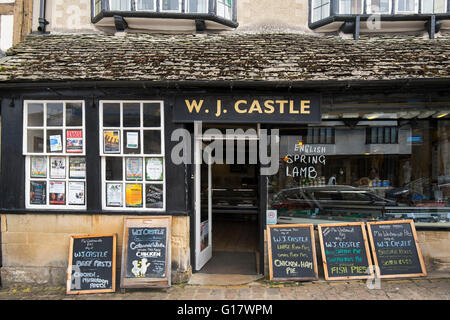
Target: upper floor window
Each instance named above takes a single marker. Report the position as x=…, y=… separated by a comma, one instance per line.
x=170, y=5
x=434, y=6
x=379, y=6
x=145, y=5
x=225, y=8
x=350, y=6
x=406, y=6
x=320, y=9
x=197, y=6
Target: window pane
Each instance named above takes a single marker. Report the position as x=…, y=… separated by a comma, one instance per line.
x=113, y=168
x=387, y=135
x=111, y=115
x=54, y=141
x=74, y=114
x=379, y=6
x=35, y=140
x=380, y=135
x=152, y=142
x=146, y=5
x=350, y=6
x=55, y=114
x=322, y=136
x=406, y=5
x=373, y=135
x=35, y=115
x=198, y=6
x=131, y=142
x=152, y=115
x=133, y=195
x=131, y=115
x=329, y=135
x=393, y=135
x=170, y=5
x=120, y=5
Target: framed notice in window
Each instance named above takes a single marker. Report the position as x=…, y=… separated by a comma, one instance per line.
x=38, y=167
x=38, y=192
x=76, y=193
x=111, y=141
x=57, y=192
x=114, y=195
x=133, y=169
x=57, y=167
x=77, y=168
x=133, y=195
x=154, y=169
x=74, y=141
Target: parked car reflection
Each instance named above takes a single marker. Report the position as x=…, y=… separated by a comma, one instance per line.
x=336, y=201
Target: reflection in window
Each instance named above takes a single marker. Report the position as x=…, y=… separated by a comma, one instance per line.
x=350, y=7
x=379, y=6
x=434, y=6
x=320, y=9
x=145, y=5
x=408, y=6
x=170, y=5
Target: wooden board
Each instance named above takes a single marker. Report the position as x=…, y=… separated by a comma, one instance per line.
x=146, y=255
x=292, y=252
x=395, y=249
x=345, y=251
x=92, y=264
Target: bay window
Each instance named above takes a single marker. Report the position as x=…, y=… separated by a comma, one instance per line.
x=350, y=6
x=434, y=6
x=406, y=6
x=320, y=9
x=379, y=6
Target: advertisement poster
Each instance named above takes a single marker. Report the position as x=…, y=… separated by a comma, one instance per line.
x=111, y=141
x=57, y=192
x=76, y=193
x=38, y=167
x=154, y=169
x=114, y=194
x=154, y=196
x=55, y=143
x=38, y=192
x=77, y=168
x=133, y=195
x=133, y=169
x=74, y=141
x=132, y=140
x=271, y=217
x=57, y=167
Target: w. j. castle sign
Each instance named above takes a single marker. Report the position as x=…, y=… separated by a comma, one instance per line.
x=248, y=109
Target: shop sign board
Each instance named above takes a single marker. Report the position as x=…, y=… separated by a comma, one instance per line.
x=146, y=257
x=292, y=252
x=296, y=109
x=92, y=264
x=395, y=249
x=345, y=251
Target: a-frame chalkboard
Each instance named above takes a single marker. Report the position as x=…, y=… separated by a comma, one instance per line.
x=146, y=256
x=395, y=249
x=292, y=252
x=345, y=251
x=92, y=264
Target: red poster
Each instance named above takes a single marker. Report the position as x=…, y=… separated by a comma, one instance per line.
x=74, y=141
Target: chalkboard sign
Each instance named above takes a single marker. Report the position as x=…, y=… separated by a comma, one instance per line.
x=146, y=258
x=292, y=252
x=92, y=264
x=395, y=249
x=345, y=251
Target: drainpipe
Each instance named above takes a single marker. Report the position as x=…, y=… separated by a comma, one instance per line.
x=42, y=21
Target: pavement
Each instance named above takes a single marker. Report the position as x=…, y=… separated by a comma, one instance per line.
x=261, y=289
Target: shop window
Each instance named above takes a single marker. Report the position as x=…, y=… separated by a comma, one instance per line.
x=434, y=6
x=381, y=135
x=406, y=6
x=350, y=6
x=379, y=6
x=320, y=10
x=132, y=155
x=54, y=148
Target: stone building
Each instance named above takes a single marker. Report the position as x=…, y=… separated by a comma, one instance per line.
x=375, y=75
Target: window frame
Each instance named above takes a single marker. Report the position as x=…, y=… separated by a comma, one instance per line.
x=49, y=155
x=445, y=8
x=186, y=7
x=339, y=8
x=180, y=7
x=369, y=8
x=313, y=7
x=144, y=10
x=124, y=156
x=416, y=8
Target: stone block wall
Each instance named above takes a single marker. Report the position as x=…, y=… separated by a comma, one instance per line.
x=35, y=247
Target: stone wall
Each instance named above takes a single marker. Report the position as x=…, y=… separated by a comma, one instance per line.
x=35, y=247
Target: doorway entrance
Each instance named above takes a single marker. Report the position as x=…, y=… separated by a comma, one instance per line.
x=227, y=216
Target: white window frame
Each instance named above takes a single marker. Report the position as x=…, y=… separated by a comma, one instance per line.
x=162, y=10
x=186, y=7
x=416, y=8
x=362, y=7
x=48, y=155
x=145, y=10
x=445, y=8
x=123, y=156
x=369, y=8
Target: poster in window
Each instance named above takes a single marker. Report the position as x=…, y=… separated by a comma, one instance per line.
x=134, y=169
x=57, y=192
x=38, y=167
x=74, y=141
x=132, y=140
x=114, y=194
x=55, y=143
x=154, y=196
x=111, y=141
x=57, y=167
x=77, y=168
x=154, y=169
x=133, y=195
x=76, y=192
x=38, y=192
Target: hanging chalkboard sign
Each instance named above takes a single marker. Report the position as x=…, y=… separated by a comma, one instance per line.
x=92, y=264
x=292, y=252
x=395, y=249
x=146, y=260
x=345, y=251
